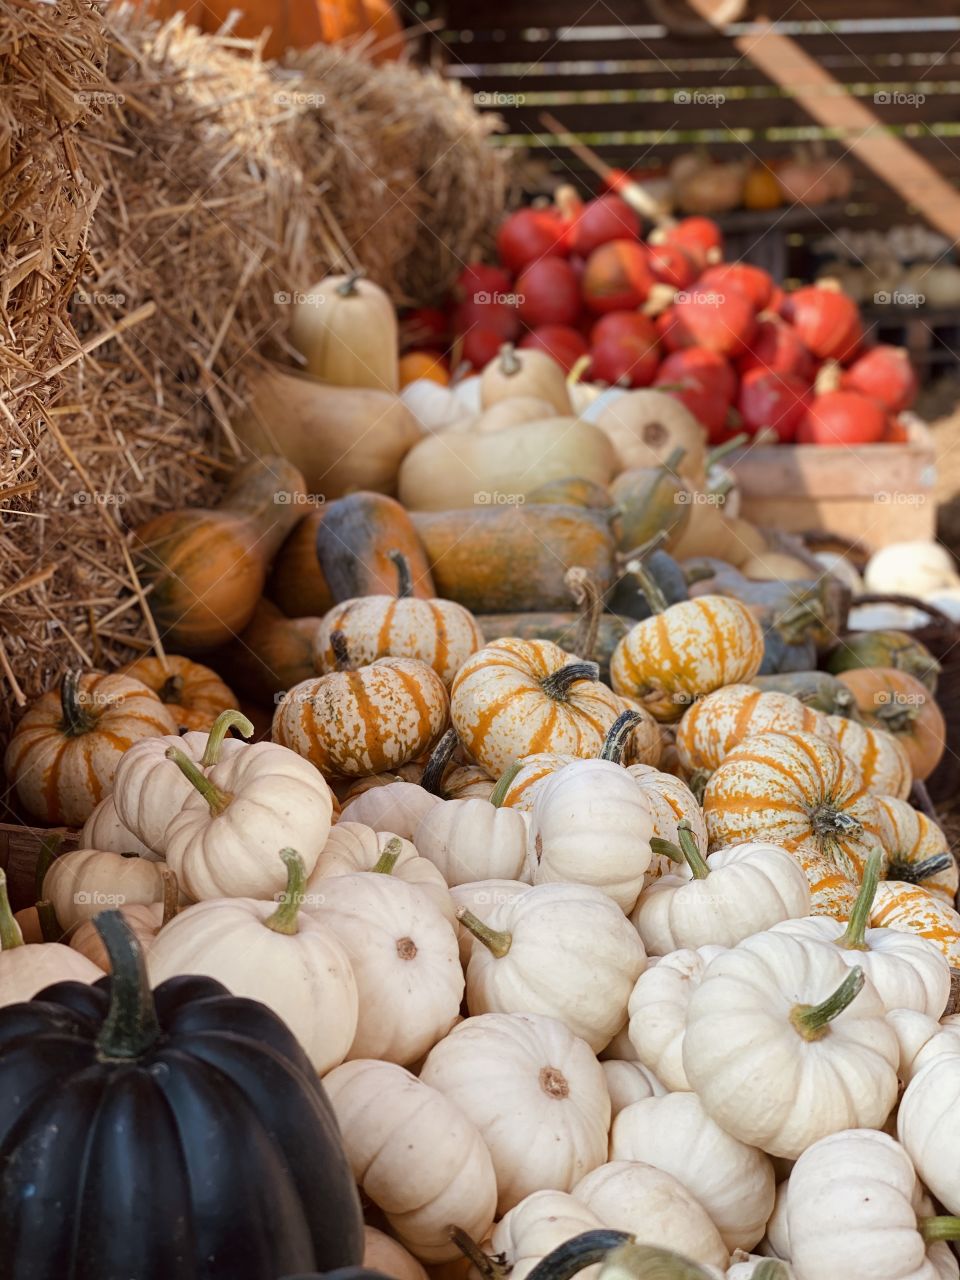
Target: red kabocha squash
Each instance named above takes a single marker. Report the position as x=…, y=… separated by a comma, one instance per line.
x=775, y=401
x=528, y=235
x=700, y=237
x=701, y=317
x=606, y=218
x=63, y=754
x=777, y=347
x=616, y=277
x=842, y=418
x=671, y=264
x=896, y=701
x=548, y=292
x=489, y=312
x=826, y=320
x=559, y=342
x=752, y=281
x=624, y=349
x=884, y=374
x=481, y=277
x=698, y=362
x=192, y=693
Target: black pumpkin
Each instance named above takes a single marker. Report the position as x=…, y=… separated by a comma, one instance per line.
x=174, y=1135
x=628, y=598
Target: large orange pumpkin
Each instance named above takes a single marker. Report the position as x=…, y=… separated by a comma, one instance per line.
x=896, y=701
x=298, y=24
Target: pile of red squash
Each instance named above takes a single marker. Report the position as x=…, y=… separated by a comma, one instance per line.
x=580, y=282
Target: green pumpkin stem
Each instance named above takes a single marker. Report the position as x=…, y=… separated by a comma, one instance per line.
x=508, y=362
x=588, y=598
x=618, y=735
x=504, y=783
x=673, y=459
x=691, y=852
x=171, y=690
x=497, y=942
x=852, y=939
x=440, y=757
x=75, y=721
x=917, y=872
x=388, y=858
x=812, y=1021
x=50, y=846
x=941, y=1228
x=10, y=935
x=217, y=800
x=51, y=929
x=130, y=1028
x=649, y=1262
x=564, y=1262
x=649, y=587
x=224, y=722
x=171, y=895
x=347, y=288
x=666, y=849
x=341, y=653
x=728, y=446
x=404, y=576
x=284, y=919
x=557, y=685
x=770, y=1269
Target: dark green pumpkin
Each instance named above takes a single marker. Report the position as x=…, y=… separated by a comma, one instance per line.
x=816, y=689
x=650, y=501
x=897, y=649
x=175, y=1135
x=628, y=598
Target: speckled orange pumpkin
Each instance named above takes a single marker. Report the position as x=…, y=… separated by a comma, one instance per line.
x=193, y=694
x=898, y=702
x=912, y=909
x=64, y=752
x=831, y=892
x=919, y=851
x=881, y=758
x=515, y=698
x=794, y=789
x=716, y=724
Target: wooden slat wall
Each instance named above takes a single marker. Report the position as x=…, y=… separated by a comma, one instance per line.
x=616, y=77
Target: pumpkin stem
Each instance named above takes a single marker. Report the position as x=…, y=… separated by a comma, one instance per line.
x=579, y=368
x=649, y=587
x=496, y=941
x=852, y=939
x=74, y=719
x=942, y=1228
x=896, y=717
x=829, y=822
x=388, y=859
x=50, y=928
x=588, y=598
x=812, y=1021
x=618, y=735
x=691, y=852
x=217, y=800
x=131, y=1027
x=341, y=654
x=224, y=722
x=348, y=288
x=50, y=847
x=917, y=872
x=404, y=576
x=794, y=622
x=728, y=446
x=509, y=362
x=557, y=685
x=10, y=935
x=643, y=550
x=649, y=1262
x=582, y=1251
x=666, y=849
x=673, y=459
x=504, y=783
x=284, y=919
x=440, y=757
x=171, y=895
x=171, y=690
x=490, y=1266
x=697, y=782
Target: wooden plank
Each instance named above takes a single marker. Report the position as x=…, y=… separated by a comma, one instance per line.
x=19, y=850
x=508, y=14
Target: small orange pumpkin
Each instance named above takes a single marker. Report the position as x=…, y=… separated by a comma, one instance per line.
x=910, y=908
x=193, y=694
x=883, y=762
x=712, y=727
x=64, y=752
x=423, y=364
x=919, y=851
x=896, y=701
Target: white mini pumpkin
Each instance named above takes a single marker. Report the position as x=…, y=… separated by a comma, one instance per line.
x=396, y=807
x=658, y=1012
x=84, y=882
x=535, y=1093
x=481, y=898
x=538, y=1225
x=28, y=967
x=473, y=840
x=927, y=1125
x=352, y=847
x=104, y=830
x=629, y=1082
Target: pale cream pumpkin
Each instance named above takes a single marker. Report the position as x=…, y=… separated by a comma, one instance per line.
x=104, y=830
x=919, y=851
x=927, y=1125
x=144, y=922
x=277, y=954
x=524, y=373
x=28, y=967
x=441, y=633
x=514, y=698
x=85, y=882
x=482, y=898
x=388, y=1256
x=538, y=1225
x=415, y=1155
x=405, y=959
x=397, y=807
x=883, y=763
x=473, y=840
x=629, y=1082
x=785, y=1044
x=353, y=847
x=658, y=1012
x=921, y=1038
x=794, y=789
x=716, y=724
x=545, y=1122
x=734, y=1182
x=908, y=908
x=562, y=950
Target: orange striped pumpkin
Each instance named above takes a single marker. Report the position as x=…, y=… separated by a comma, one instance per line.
x=441, y=633
x=794, y=789
x=645, y=743
x=669, y=660
x=831, y=892
x=193, y=694
x=516, y=698
x=909, y=908
x=919, y=851
x=671, y=802
x=64, y=752
x=882, y=760
x=714, y=725
x=896, y=701
x=364, y=720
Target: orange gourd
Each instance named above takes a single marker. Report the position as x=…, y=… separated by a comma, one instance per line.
x=298, y=24
x=193, y=694
x=271, y=655
x=896, y=701
x=423, y=364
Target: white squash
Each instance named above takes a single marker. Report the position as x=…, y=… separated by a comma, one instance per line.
x=785, y=1044
x=776, y=1243
x=104, y=830
x=415, y=1155
x=435, y=408
x=883, y=617
x=508, y=413
x=910, y=568
x=590, y=825
x=396, y=807
x=538, y=1225
x=469, y=840
x=388, y=1256
x=753, y=1266
x=481, y=898
x=28, y=967
x=927, y=1124
x=345, y=328
x=852, y=1211
x=920, y=1039
x=735, y=892
x=629, y=1082
x=84, y=882
x=524, y=373
x=536, y=1095
x=734, y=1182
x=278, y=955
x=351, y=847
x=654, y=1207
x=405, y=959
x=907, y=971
x=658, y=1012
x=562, y=950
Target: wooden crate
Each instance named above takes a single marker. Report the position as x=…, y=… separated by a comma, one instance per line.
x=874, y=495
x=19, y=851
